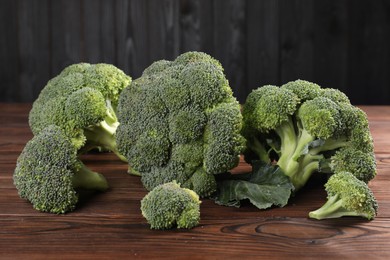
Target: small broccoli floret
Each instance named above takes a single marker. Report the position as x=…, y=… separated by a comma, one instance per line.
x=347, y=196
x=82, y=100
x=301, y=126
x=180, y=121
x=359, y=163
x=168, y=205
x=303, y=89
x=48, y=172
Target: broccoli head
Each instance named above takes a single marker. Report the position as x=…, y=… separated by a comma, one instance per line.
x=48, y=172
x=307, y=129
x=180, y=121
x=168, y=205
x=347, y=196
x=82, y=100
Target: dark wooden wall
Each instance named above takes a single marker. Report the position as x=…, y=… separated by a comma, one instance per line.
x=336, y=43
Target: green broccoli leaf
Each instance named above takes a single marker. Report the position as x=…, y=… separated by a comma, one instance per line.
x=265, y=186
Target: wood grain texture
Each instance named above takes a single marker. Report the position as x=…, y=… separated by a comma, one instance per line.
x=263, y=49
x=335, y=43
x=110, y=224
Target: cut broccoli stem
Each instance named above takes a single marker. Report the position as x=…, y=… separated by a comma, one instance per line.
x=333, y=208
x=85, y=178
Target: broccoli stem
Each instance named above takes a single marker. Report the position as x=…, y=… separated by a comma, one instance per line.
x=259, y=149
x=132, y=171
x=330, y=145
x=110, y=114
x=303, y=141
x=102, y=135
x=288, y=139
x=333, y=208
x=85, y=178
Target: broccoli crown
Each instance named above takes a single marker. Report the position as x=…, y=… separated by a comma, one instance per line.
x=180, y=121
x=48, y=172
x=168, y=205
x=302, y=127
x=347, y=196
x=82, y=96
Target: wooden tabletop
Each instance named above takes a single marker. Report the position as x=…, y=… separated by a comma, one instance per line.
x=110, y=225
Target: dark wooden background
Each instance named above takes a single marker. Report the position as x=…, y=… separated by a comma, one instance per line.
x=336, y=43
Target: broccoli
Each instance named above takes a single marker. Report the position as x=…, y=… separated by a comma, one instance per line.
x=48, y=172
x=305, y=128
x=82, y=100
x=180, y=121
x=169, y=205
x=347, y=196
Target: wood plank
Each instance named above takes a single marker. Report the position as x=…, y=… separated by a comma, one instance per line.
x=330, y=57
x=368, y=41
x=137, y=37
x=163, y=28
x=230, y=42
x=107, y=33
x=34, y=48
x=9, y=52
x=91, y=45
x=65, y=31
x=196, y=32
x=270, y=238
x=122, y=41
x=263, y=44
x=296, y=40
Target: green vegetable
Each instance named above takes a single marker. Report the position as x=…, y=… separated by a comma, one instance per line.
x=307, y=129
x=265, y=186
x=347, y=196
x=82, y=100
x=180, y=121
x=48, y=172
x=168, y=205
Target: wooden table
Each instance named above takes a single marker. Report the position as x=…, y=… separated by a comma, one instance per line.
x=110, y=225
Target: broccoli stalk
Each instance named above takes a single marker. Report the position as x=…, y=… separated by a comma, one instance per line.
x=102, y=134
x=333, y=208
x=85, y=178
x=347, y=196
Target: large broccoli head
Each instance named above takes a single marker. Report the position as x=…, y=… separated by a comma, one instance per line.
x=180, y=121
x=82, y=100
x=306, y=128
x=48, y=172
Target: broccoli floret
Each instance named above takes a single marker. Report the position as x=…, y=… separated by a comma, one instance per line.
x=168, y=205
x=347, y=196
x=180, y=121
x=302, y=127
x=82, y=100
x=48, y=172
x=359, y=163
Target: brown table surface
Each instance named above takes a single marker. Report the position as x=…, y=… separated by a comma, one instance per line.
x=110, y=225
